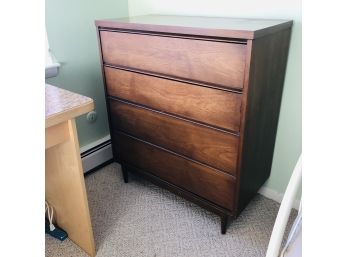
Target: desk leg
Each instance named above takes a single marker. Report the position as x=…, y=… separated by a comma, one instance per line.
x=66, y=192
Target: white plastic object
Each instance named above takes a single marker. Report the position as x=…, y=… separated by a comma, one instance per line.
x=284, y=211
x=49, y=210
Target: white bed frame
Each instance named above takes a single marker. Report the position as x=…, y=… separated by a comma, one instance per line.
x=293, y=245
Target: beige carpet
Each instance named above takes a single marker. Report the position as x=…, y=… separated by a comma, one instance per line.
x=140, y=219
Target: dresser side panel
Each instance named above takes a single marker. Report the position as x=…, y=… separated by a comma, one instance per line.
x=266, y=80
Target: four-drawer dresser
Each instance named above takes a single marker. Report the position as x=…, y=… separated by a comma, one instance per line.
x=193, y=103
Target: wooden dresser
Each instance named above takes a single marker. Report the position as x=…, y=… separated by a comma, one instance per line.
x=194, y=102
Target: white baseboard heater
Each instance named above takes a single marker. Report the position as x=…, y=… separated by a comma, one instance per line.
x=96, y=155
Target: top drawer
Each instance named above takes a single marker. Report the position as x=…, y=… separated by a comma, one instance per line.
x=217, y=63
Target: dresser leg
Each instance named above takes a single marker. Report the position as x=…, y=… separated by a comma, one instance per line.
x=224, y=222
x=124, y=174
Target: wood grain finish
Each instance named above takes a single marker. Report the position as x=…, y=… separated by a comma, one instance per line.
x=56, y=134
x=207, y=105
x=220, y=27
x=203, y=144
x=213, y=185
x=65, y=187
x=64, y=182
x=205, y=61
x=194, y=102
x=267, y=73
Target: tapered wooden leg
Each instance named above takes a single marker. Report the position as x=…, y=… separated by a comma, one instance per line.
x=125, y=174
x=224, y=222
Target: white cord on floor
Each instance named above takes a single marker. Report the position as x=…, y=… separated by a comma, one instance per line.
x=49, y=210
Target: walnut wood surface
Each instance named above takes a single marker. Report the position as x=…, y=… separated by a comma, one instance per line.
x=206, y=61
x=180, y=91
x=203, y=144
x=209, y=205
x=213, y=185
x=215, y=107
x=267, y=72
x=199, y=26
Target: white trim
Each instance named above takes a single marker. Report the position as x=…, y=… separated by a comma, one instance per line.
x=96, y=158
x=52, y=65
x=276, y=196
x=52, y=70
x=95, y=143
x=282, y=219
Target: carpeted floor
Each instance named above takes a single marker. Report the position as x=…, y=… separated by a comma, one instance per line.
x=140, y=219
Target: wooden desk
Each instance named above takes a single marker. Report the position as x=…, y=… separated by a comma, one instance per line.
x=65, y=185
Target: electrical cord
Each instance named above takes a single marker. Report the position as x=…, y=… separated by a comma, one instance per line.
x=49, y=210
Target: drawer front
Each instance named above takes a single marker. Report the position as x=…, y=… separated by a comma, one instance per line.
x=217, y=63
x=209, y=146
x=211, y=106
x=210, y=184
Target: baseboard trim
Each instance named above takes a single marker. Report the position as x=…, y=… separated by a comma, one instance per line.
x=52, y=70
x=87, y=173
x=87, y=147
x=276, y=196
x=96, y=155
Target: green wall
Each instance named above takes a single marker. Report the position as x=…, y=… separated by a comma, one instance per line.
x=289, y=137
x=72, y=37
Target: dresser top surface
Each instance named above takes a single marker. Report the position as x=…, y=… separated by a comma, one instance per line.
x=205, y=26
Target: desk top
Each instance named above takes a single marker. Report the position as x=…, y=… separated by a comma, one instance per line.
x=61, y=105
